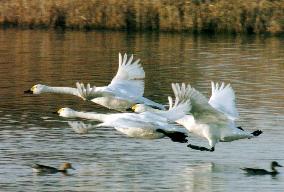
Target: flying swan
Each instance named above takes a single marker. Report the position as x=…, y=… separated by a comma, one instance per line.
x=213, y=119
x=125, y=89
x=147, y=125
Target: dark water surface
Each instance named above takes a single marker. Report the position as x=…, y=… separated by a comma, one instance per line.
x=106, y=160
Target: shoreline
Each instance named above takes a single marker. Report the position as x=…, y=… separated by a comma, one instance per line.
x=186, y=16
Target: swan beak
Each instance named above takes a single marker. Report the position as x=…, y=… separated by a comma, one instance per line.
x=129, y=109
x=28, y=92
x=280, y=165
x=72, y=168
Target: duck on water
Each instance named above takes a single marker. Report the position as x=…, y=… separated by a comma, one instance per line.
x=43, y=169
x=253, y=171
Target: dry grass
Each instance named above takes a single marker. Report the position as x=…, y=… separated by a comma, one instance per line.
x=210, y=16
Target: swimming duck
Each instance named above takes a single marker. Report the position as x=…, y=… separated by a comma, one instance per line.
x=253, y=171
x=38, y=168
x=213, y=119
x=125, y=89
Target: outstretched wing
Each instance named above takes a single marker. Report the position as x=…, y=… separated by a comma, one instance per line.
x=200, y=108
x=80, y=127
x=223, y=99
x=88, y=92
x=180, y=106
x=129, y=78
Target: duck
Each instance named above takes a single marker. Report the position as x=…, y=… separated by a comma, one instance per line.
x=254, y=171
x=38, y=168
x=212, y=119
x=146, y=125
x=125, y=89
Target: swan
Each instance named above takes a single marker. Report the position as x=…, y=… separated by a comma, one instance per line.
x=145, y=125
x=213, y=119
x=222, y=92
x=253, y=171
x=38, y=168
x=125, y=89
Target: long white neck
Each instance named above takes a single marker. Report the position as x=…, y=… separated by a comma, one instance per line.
x=61, y=90
x=92, y=116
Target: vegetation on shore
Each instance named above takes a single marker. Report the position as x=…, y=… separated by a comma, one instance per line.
x=197, y=16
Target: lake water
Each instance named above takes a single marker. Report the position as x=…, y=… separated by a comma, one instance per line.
x=106, y=160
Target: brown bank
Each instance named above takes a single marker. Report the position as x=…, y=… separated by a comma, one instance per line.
x=197, y=16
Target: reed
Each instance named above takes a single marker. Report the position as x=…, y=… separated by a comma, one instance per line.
x=198, y=16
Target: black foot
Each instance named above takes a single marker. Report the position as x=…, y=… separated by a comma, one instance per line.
x=175, y=136
x=257, y=133
x=200, y=148
x=240, y=128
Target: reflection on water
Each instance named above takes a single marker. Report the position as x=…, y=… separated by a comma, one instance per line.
x=105, y=159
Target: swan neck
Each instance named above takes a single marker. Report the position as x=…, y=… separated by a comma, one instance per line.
x=92, y=116
x=62, y=90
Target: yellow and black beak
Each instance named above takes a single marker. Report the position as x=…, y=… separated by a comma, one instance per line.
x=131, y=109
x=57, y=112
x=28, y=91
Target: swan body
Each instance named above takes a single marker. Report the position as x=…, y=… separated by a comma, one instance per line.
x=215, y=122
x=125, y=89
x=213, y=119
x=145, y=125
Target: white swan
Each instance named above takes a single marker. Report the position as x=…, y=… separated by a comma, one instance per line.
x=145, y=125
x=213, y=119
x=125, y=89
x=222, y=99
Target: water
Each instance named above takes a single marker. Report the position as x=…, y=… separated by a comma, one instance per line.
x=106, y=160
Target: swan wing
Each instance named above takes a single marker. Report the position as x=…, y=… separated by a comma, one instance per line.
x=200, y=108
x=80, y=127
x=224, y=100
x=176, y=110
x=129, y=78
x=179, y=107
x=88, y=93
x=147, y=124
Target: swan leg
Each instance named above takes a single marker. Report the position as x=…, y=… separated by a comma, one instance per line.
x=200, y=148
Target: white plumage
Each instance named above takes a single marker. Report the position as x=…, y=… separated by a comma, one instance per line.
x=213, y=119
x=125, y=89
x=146, y=125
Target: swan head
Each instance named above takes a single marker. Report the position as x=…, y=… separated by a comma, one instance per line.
x=140, y=108
x=66, y=112
x=36, y=89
